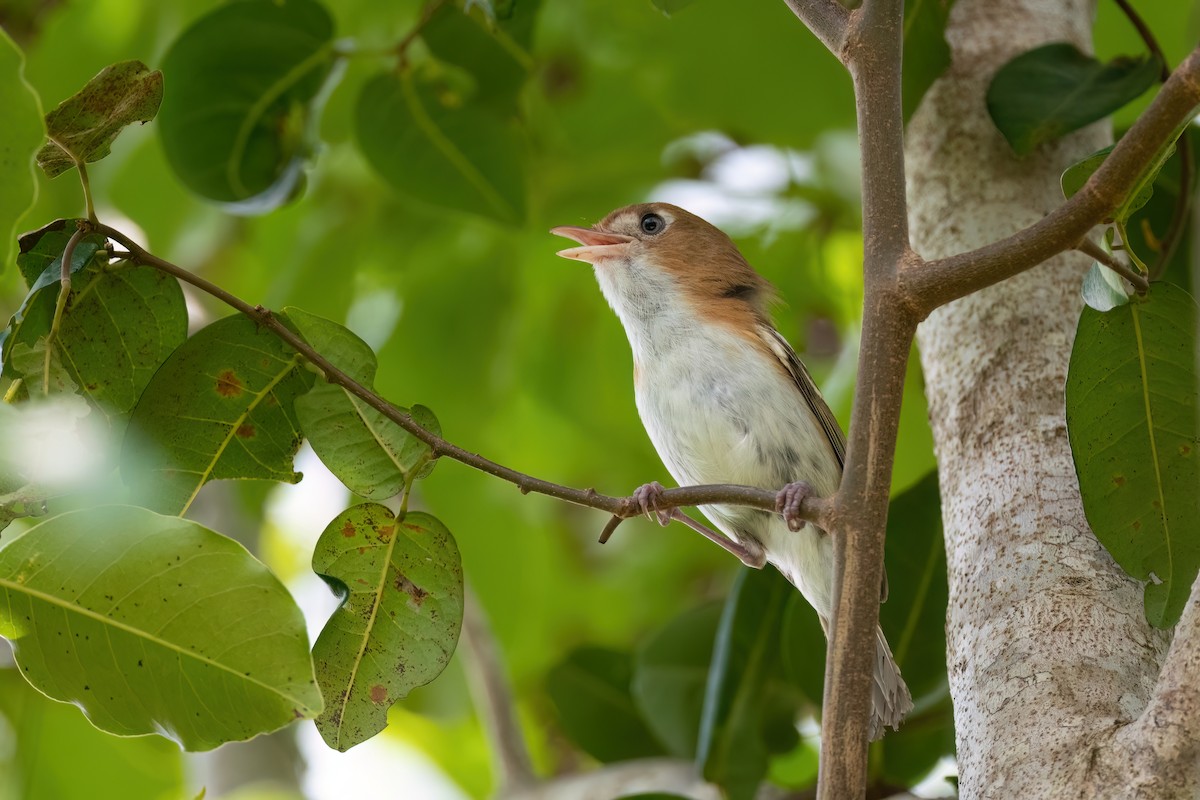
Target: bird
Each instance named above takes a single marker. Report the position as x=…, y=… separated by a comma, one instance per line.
x=725, y=399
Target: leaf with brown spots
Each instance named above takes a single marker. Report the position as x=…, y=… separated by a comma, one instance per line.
x=402, y=590
x=83, y=127
x=1132, y=420
x=221, y=407
x=369, y=453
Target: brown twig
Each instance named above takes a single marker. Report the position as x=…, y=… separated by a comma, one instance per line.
x=827, y=19
x=813, y=509
x=1090, y=248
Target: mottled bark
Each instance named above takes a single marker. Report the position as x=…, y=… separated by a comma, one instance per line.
x=1051, y=661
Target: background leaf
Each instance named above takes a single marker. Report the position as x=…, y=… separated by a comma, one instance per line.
x=1133, y=425
x=20, y=137
x=83, y=127
x=366, y=451
x=497, y=64
x=1077, y=175
x=590, y=690
x=1103, y=289
x=154, y=624
x=743, y=722
x=220, y=408
x=670, y=674
x=246, y=84
x=926, y=54
x=1055, y=89
x=429, y=143
x=402, y=604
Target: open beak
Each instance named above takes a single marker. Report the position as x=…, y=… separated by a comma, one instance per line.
x=597, y=245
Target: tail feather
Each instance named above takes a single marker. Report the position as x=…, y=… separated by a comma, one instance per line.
x=890, y=698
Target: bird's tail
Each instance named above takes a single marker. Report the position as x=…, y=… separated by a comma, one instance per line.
x=890, y=699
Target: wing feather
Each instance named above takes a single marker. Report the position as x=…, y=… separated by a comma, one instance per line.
x=808, y=390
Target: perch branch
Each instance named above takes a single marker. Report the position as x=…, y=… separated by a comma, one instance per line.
x=813, y=509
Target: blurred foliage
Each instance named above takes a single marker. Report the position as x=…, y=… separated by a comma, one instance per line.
x=524, y=115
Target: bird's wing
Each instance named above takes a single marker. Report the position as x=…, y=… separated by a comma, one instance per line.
x=808, y=390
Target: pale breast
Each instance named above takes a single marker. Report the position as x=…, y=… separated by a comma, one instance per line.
x=719, y=412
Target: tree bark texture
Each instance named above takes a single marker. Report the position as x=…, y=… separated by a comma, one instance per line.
x=1049, y=652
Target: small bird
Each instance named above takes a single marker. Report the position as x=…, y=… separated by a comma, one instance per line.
x=725, y=399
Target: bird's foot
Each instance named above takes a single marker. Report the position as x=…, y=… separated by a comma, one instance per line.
x=789, y=500
x=647, y=497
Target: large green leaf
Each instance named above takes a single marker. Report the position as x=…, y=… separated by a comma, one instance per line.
x=221, y=407
x=743, y=722
x=1132, y=420
x=590, y=689
x=428, y=143
x=401, y=586
x=247, y=82
x=82, y=128
x=154, y=624
x=1055, y=89
x=20, y=137
x=119, y=324
x=670, y=674
x=366, y=451
x=926, y=54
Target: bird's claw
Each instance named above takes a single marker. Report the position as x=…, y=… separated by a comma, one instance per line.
x=789, y=500
x=647, y=497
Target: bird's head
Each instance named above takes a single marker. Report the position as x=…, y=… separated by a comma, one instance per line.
x=655, y=258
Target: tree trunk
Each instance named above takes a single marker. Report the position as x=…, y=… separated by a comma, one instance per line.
x=1049, y=651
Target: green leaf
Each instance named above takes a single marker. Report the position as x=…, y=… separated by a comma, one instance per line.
x=82, y=128
x=1055, y=89
x=118, y=326
x=1132, y=421
x=590, y=690
x=20, y=137
x=1103, y=289
x=366, y=451
x=670, y=672
x=1076, y=175
x=433, y=146
x=733, y=745
x=220, y=408
x=926, y=737
x=154, y=624
x=926, y=54
x=496, y=63
x=402, y=587
x=247, y=84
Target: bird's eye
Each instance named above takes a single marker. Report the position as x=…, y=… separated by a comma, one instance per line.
x=653, y=223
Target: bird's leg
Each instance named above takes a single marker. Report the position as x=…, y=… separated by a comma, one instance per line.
x=789, y=500
x=747, y=550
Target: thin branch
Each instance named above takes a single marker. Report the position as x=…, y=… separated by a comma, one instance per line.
x=1090, y=248
x=1147, y=36
x=814, y=509
x=872, y=55
x=493, y=699
x=827, y=19
x=938, y=282
x=60, y=305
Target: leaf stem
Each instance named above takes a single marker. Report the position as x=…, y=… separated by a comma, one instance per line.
x=83, y=180
x=64, y=293
x=1090, y=248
